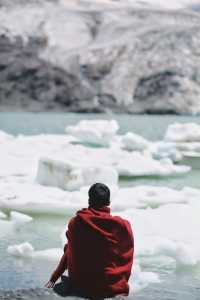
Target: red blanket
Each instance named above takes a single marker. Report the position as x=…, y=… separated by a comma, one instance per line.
x=100, y=253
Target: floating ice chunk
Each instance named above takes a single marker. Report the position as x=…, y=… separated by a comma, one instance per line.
x=134, y=142
x=186, y=138
x=139, y=165
x=162, y=150
x=148, y=197
x=185, y=256
x=34, y=198
x=186, y=132
x=59, y=174
x=21, y=250
x=188, y=147
x=23, y=154
x=190, y=154
x=140, y=279
x=5, y=137
x=169, y=230
x=192, y=159
x=19, y=218
x=2, y=215
x=182, y=253
x=49, y=254
x=191, y=192
x=99, y=132
x=67, y=176
x=19, y=155
x=26, y=250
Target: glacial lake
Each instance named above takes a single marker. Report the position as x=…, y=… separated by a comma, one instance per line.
x=44, y=231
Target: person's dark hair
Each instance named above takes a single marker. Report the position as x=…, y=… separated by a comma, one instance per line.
x=99, y=195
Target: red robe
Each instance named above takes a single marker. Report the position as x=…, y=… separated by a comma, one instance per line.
x=99, y=253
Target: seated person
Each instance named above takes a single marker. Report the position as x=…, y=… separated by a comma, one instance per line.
x=99, y=252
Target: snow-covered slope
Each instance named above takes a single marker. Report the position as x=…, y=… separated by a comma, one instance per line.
x=126, y=55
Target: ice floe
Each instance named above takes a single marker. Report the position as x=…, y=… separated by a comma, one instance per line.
x=26, y=250
x=21, y=250
x=34, y=198
x=141, y=279
x=15, y=221
x=186, y=138
x=68, y=176
x=168, y=231
x=181, y=253
x=19, y=155
x=163, y=150
x=23, y=154
x=98, y=132
x=83, y=167
x=183, y=132
x=28, y=197
x=192, y=159
x=137, y=165
x=134, y=142
x=5, y=137
x=19, y=218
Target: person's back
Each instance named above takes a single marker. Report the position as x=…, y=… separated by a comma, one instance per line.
x=100, y=252
x=100, y=248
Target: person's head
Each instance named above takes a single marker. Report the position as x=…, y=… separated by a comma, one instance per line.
x=99, y=196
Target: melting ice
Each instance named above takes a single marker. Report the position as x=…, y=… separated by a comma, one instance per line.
x=50, y=175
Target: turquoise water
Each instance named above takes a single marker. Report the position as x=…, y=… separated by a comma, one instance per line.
x=150, y=126
x=17, y=273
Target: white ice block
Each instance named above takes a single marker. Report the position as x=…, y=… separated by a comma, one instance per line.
x=134, y=142
x=99, y=132
x=183, y=132
x=67, y=176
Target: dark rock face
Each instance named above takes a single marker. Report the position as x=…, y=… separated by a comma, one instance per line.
x=29, y=83
x=158, y=85
x=97, y=59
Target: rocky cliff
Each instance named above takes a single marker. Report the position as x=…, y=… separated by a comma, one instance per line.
x=98, y=56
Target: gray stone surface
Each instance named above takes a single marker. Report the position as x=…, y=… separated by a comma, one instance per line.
x=41, y=294
x=164, y=291
x=97, y=58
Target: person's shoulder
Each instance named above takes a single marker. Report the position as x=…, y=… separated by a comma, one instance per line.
x=73, y=220
x=121, y=220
